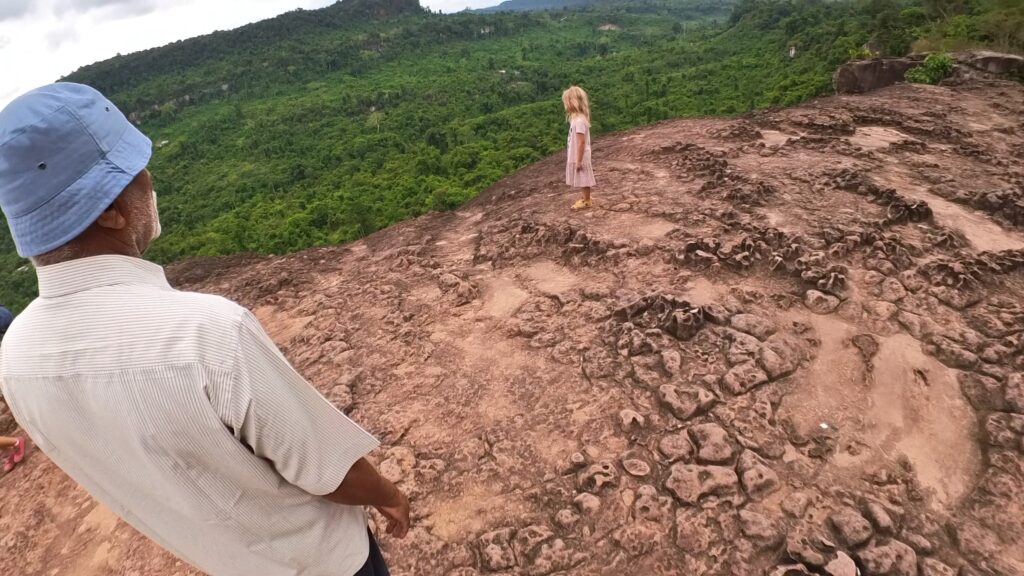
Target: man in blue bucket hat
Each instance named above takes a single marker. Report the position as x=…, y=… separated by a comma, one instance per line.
x=174, y=409
x=6, y=319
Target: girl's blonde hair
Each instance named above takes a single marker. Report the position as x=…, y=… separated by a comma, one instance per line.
x=576, y=102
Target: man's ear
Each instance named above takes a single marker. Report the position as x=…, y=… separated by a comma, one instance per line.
x=112, y=218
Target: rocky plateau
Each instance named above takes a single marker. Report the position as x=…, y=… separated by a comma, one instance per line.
x=787, y=343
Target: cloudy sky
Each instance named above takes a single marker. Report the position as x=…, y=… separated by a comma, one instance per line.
x=43, y=40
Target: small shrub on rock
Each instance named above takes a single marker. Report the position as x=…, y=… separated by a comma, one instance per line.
x=936, y=67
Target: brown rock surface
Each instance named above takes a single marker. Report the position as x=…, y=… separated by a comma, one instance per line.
x=644, y=389
x=867, y=75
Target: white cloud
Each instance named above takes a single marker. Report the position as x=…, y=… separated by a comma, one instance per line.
x=10, y=9
x=43, y=40
x=86, y=5
x=61, y=35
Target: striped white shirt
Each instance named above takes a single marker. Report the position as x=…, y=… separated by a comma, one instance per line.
x=178, y=412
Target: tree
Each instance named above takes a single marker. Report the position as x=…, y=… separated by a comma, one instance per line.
x=374, y=119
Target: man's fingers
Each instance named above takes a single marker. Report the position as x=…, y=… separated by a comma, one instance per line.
x=399, y=526
x=398, y=520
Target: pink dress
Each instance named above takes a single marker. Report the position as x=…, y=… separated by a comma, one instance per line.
x=585, y=176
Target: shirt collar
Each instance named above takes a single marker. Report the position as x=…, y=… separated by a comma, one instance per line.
x=83, y=274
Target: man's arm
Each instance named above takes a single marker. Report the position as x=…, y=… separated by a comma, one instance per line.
x=364, y=486
x=310, y=443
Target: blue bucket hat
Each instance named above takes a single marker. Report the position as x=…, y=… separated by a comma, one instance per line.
x=66, y=153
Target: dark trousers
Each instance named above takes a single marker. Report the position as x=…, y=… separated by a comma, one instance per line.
x=375, y=565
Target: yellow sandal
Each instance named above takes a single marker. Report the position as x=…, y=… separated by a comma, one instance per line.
x=581, y=204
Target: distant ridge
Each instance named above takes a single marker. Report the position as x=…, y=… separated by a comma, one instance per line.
x=528, y=5
x=211, y=47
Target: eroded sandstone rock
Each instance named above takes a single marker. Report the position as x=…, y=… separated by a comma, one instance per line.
x=764, y=531
x=892, y=559
x=866, y=75
x=757, y=478
x=841, y=565
x=496, y=552
x=780, y=355
x=851, y=528
x=712, y=443
x=686, y=401
x=691, y=482
x=752, y=324
x=598, y=476
x=676, y=446
x=744, y=377
x=819, y=302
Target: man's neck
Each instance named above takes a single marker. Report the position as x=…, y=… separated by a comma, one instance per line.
x=86, y=246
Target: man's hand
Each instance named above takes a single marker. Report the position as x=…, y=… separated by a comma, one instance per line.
x=364, y=486
x=397, y=515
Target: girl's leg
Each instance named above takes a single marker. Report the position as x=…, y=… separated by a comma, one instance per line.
x=16, y=455
x=586, y=193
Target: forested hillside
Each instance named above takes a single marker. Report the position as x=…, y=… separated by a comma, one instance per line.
x=321, y=126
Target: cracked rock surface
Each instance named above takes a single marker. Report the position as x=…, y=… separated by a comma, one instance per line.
x=788, y=343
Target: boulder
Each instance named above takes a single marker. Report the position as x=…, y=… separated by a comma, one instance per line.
x=994, y=62
x=867, y=75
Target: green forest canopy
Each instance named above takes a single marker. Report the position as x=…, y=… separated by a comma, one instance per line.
x=318, y=127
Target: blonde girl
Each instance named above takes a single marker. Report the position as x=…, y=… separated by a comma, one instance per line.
x=579, y=173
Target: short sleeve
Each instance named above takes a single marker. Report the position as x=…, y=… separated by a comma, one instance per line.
x=282, y=418
x=579, y=125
